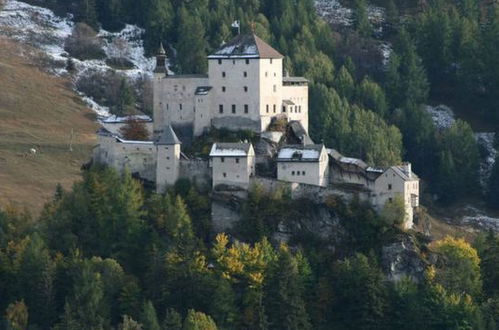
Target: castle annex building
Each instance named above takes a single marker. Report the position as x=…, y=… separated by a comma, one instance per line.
x=245, y=89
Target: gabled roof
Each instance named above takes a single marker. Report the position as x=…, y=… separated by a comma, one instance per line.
x=300, y=153
x=168, y=137
x=399, y=170
x=230, y=149
x=246, y=46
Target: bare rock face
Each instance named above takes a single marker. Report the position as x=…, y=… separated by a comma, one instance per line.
x=403, y=259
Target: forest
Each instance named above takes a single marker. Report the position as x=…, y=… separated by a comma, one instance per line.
x=109, y=254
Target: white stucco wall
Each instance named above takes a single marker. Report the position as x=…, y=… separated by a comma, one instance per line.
x=234, y=171
x=230, y=90
x=168, y=166
x=271, y=89
x=174, y=99
x=299, y=96
x=316, y=173
x=390, y=185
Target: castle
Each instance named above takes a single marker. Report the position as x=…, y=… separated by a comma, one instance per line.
x=245, y=89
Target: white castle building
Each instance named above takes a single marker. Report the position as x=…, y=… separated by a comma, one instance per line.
x=244, y=90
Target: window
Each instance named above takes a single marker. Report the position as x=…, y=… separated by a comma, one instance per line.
x=221, y=108
x=167, y=106
x=275, y=88
x=267, y=107
x=219, y=61
x=223, y=74
x=302, y=172
x=283, y=108
x=389, y=187
x=275, y=74
x=270, y=61
x=222, y=159
x=247, y=61
x=237, y=160
x=298, y=173
x=390, y=199
x=245, y=73
x=233, y=108
x=246, y=108
x=223, y=89
x=266, y=74
x=274, y=108
x=292, y=172
x=246, y=88
x=233, y=62
x=225, y=175
x=180, y=106
x=299, y=108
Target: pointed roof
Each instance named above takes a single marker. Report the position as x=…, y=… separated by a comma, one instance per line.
x=168, y=137
x=161, y=50
x=246, y=46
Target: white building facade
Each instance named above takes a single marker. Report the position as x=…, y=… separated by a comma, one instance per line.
x=244, y=89
x=232, y=164
x=306, y=164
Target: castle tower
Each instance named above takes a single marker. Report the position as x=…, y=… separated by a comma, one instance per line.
x=168, y=159
x=161, y=61
x=160, y=72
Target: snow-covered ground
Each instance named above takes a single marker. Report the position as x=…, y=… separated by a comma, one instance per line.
x=442, y=115
x=332, y=11
x=41, y=28
x=486, y=141
x=477, y=218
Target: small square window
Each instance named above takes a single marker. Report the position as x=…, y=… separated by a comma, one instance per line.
x=221, y=108
x=390, y=199
x=245, y=88
x=237, y=160
x=283, y=108
x=223, y=88
x=223, y=74
x=246, y=108
x=247, y=61
x=270, y=61
x=222, y=159
x=225, y=175
x=233, y=108
x=275, y=88
x=233, y=62
x=219, y=61
x=389, y=187
x=267, y=108
x=303, y=173
x=274, y=108
x=298, y=173
x=266, y=73
x=292, y=172
x=180, y=106
x=245, y=73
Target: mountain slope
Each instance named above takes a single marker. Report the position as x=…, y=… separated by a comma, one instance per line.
x=38, y=111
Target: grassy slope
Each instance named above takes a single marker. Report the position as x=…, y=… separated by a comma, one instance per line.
x=38, y=110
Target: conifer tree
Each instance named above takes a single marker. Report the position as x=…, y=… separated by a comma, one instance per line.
x=191, y=46
x=172, y=321
x=148, y=318
x=198, y=321
x=360, y=18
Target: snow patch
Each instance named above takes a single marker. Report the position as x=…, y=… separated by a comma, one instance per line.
x=41, y=28
x=442, y=115
x=486, y=141
x=332, y=11
x=478, y=218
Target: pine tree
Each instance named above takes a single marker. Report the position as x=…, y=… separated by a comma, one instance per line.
x=191, y=46
x=344, y=83
x=126, y=99
x=360, y=18
x=160, y=16
x=285, y=294
x=172, y=321
x=198, y=321
x=148, y=318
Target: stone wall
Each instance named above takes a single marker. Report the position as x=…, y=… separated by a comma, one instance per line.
x=197, y=170
x=314, y=193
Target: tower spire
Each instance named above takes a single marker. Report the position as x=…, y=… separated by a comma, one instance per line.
x=161, y=60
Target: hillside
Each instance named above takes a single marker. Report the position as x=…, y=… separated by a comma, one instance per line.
x=38, y=111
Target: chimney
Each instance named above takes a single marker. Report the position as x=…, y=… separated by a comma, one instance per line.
x=406, y=168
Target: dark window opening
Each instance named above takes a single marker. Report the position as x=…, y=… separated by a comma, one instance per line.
x=246, y=108
x=233, y=108
x=221, y=108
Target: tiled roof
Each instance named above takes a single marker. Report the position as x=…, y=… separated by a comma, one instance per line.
x=246, y=46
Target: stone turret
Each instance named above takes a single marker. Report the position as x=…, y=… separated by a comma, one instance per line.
x=161, y=60
x=168, y=159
